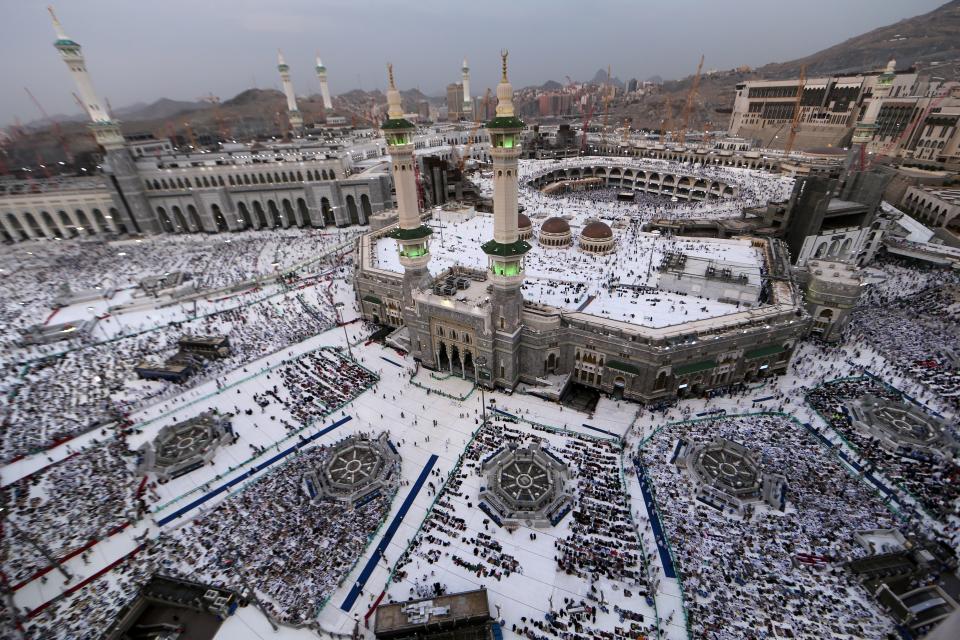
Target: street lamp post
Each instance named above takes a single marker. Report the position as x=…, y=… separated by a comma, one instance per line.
x=481, y=361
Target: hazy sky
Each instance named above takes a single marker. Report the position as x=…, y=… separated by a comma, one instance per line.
x=141, y=50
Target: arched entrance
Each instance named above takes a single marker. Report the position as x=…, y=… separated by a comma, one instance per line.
x=244, y=215
x=69, y=228
x=619, y=385
x=179, y=220
x=85, y=222
x=50, y=224
x=261, y=217
x=35, y=229
x=303, y=213
x=328, y=218
x=100, y=220
x=194, y=218
x=218, y=218
x=15, y=226
x=352, y=211
x=275, y=214
x=365, y=205
x=288, y=213
x=119, y=223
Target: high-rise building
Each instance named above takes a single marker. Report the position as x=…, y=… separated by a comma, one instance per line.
x=454, y=101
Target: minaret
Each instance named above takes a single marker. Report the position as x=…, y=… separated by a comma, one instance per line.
x=505, y=252
x=324, y=89
x=293, y=114
x=467, y=103
x=127, y=186
x=411, y=234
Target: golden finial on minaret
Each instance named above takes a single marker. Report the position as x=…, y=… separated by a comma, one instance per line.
x=503, y=54
x=390, y=74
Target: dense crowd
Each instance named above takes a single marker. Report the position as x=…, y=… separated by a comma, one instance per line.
x=55, y=398
x=292, y=551
x=913, y=320
x=744, y=576
x=931, y=478
x=268, y=534
x=33, y=274
x=596, y=544
x=83, y=498
x=754, y=187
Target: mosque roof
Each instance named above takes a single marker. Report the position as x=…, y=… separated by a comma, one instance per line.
x=597, y=230
x=555, y=225
x=523, y=222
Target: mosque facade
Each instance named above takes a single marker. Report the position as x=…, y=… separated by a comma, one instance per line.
x=475, y=323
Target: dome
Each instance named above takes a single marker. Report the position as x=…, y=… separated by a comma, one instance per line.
x=523, y=222
x=597, y=231
x=555, y=225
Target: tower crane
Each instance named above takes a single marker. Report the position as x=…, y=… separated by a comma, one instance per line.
x=477, y=121
x=688, y=105
x=667, y=121
x=606, y=106
x=54, y=125
x=586, y=126
x=192, y=138
x=222, y=127
x=795, y=122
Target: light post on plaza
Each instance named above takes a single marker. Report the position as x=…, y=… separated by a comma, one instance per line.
x=49, y=557
x=481, y=361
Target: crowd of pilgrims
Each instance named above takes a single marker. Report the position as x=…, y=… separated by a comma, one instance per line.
x=33, y=273
x=81, y=499
x=571, y=278
x=755, y=187
x=913, y=321
x=932, y=479
x=745, y=576
x=316, y=384
x=55, y=398
x=293, y=554
x=600, y=546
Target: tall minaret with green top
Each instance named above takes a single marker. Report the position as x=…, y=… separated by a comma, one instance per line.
x=505, y=252
x=411, y=234
x=127, y=185
x=293, y=112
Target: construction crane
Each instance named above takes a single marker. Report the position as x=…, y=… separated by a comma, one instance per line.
x=667, y=121
x=586, y=126
x=57, y=131
x=688, y=105
x=192, y=138
x=795, y=122
x=477, y=122
x=607, y=97
x=222, y=127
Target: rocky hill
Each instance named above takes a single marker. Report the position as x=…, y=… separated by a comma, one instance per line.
x=930, y=41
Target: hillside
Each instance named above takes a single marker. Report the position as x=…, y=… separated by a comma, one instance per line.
x=930, y=41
